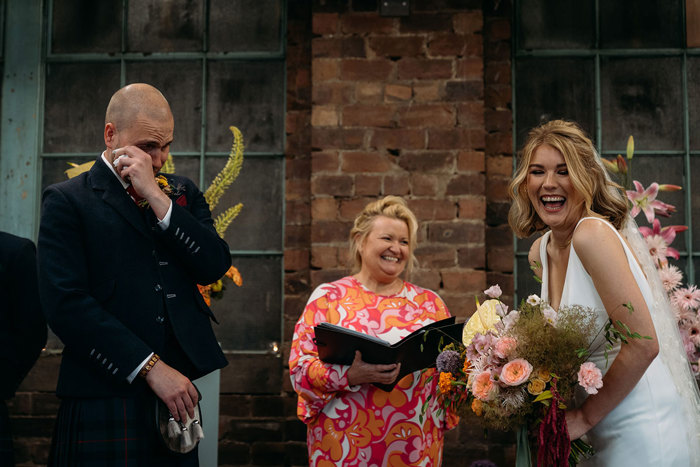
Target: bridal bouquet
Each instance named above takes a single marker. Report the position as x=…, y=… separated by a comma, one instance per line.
x=517, y=371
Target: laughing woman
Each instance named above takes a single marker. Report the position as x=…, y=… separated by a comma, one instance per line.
x=591, y=254
x=350, y=421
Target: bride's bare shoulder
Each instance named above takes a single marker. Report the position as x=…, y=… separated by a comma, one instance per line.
x=533, y=257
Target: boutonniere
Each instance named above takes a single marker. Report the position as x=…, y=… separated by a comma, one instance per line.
x=170, y=190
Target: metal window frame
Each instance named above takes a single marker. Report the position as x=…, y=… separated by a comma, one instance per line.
x=204, y=56
x=597, y=53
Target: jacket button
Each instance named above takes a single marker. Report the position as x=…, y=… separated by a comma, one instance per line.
x=158, y=288
x=160, y=319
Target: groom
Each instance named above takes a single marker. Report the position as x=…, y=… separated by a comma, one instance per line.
x=120, y=257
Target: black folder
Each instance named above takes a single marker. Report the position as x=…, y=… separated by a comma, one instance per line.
x=416, y=351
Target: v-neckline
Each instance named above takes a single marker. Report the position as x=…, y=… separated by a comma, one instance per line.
x=546, y=276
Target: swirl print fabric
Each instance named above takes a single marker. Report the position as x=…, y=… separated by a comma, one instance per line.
x=363, y=425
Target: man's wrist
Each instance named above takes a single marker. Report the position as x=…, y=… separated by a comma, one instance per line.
x=149, y=365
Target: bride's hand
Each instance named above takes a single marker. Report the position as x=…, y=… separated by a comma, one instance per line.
x=576, y=424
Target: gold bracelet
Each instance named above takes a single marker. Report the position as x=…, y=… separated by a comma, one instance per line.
x=149, y=365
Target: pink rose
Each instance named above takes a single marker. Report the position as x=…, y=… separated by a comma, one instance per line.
x=505, y=345
x=483, y=387
x=516, y=372
x=494, y=291
x=590, y=377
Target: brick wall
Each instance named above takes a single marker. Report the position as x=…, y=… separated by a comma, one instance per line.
x=418, y=106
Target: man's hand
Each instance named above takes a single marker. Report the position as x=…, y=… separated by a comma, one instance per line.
x=136, y=167
x=174, y=389
x=362, y=372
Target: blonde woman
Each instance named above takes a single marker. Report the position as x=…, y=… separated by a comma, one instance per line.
x=591, y=254
x=349, y=420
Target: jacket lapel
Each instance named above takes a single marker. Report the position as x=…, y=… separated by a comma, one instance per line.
x=103, y=180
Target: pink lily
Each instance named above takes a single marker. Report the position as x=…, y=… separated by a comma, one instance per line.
x=668, y=234
x=645, y=200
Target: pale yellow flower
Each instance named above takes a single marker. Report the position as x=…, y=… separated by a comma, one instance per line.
x=483, y=319
x=536, y=386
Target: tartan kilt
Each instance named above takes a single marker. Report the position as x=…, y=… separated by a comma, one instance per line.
x=111, y=432
x=6, y=452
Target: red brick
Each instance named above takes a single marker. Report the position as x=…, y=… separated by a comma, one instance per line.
x=296, y=236
x=427, y=115
x=500, y=260
x=338, y=47
x=324, y=257
x=330, y=232
x=365, y=70
x=325, y=23
x=474, y=46
x=337, y=138
x=396, y=185
x=364, y=162
x=497, y=51
x=297, y=167
x=462, y=306
x=323, y=69
x=325, y=161
x=428, y=91
x=463, y=280
x=433, y=209
x=363, y=115
x=472, y=257
x=451, y=45
x=333, y=93
x=298, y=211
x=502, y=166
x=393, y=46
x=322, y=276
x=468, y=22
x=324, y=116
x=497, y=189
x=499, y=237
x=324, y=209
x=472, y=207
x=425, y=22
x=296, y=189
x=471, y=114
x=296, y=259
x=457, y=232
x=477, y=138
x=424, y=185
x=464, y=90
x=397, y=92
x=335, y=185
x=367, y=23
x=426, y=278
x=470, y=69
x=497, y=96
x=498, y=120
x=466, y=184
x=436, y=256
x=452, y=138
x=504, y=280
x=470, y=161
x=498, y=73
x=369, y=92
x=499, y=143
x=427, y=161
x=398, y=139
x=412, y=68
x=368, y=185
x=497, y=29
x=349, y=209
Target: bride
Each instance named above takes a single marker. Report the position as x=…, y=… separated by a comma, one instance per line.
x=648, y=411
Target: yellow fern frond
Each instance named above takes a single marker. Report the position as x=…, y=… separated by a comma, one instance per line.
x=169, y=166
x=230, y=171
x=224, y=219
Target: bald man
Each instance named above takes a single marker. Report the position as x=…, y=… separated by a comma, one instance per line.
x=119, y=262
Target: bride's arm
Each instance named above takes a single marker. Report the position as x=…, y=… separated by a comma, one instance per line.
x=603, y=257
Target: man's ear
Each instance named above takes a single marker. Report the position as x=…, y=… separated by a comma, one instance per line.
x=110, y=135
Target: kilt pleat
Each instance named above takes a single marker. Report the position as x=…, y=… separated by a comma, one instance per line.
x=108, y=432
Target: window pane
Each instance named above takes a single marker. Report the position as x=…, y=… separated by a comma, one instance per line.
x=556, y=24
x=524, y=244
x=249, y=95
x=187, y=167
x=181, y=83
x=76, y=99
x=165, y=25
x=86, y=26
x=527, y=285
x=250, y=314
x=695, y=202
x=642, y=97
x=693, y=67
x=641, y=24
x=547, y=89
x=259, y=188
x=663, y=169
x=245, y=25
x=53, y=170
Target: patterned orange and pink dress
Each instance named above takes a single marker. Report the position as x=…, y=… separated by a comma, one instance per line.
x=363, y=425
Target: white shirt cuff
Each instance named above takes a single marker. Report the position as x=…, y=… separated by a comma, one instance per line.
x=164, y=223
x=133, y=374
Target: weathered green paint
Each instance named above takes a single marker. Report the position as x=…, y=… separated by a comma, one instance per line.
x=19, y=148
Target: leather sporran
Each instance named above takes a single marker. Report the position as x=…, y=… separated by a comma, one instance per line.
x=178, y=437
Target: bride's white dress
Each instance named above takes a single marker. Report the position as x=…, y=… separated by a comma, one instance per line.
x=646, y=428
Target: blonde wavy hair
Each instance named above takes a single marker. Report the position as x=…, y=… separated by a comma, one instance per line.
x=392, y=207
x=601, y=195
